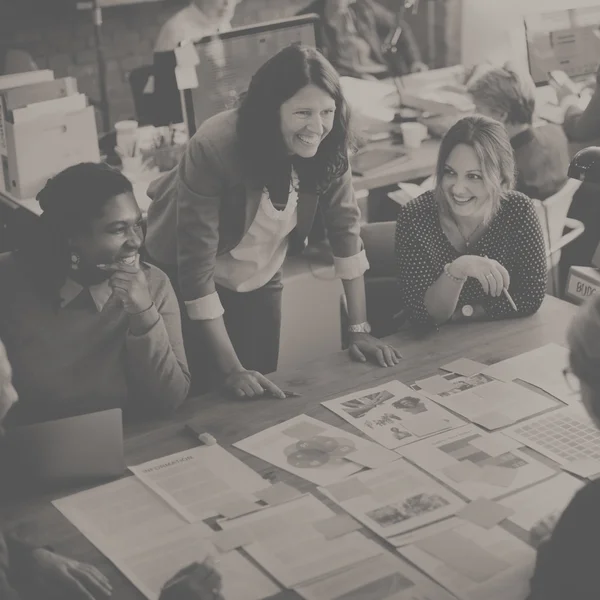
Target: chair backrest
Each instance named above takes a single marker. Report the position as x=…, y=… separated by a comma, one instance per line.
x=552, y=213
x=144, y=103
x=379, y=240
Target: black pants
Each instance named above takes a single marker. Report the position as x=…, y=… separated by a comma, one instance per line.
x=253, y=322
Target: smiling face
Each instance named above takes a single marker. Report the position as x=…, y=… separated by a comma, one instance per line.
x=462, y=183
x=306, y=118
x=115, y=236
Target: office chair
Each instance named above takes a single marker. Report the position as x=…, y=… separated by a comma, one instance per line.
x=144, y=103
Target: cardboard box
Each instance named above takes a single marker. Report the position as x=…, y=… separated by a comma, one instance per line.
x=582, y=283
x=37, y=150
x=17, y=97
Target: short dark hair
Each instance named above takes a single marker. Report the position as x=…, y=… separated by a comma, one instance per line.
x=70, y=201
x=274, y=83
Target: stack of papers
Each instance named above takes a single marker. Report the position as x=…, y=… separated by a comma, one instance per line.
x=202, y=482
x=149, y=542
x=477, y=464
x=392, y=414
x=394, y=499
x=314, y=450
x=475, y=563
x=568, y=436
x=542, y=367
x=296, y=542
x=385, y=577
x=491, y=403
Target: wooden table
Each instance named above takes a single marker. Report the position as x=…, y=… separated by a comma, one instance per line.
x=231, y=420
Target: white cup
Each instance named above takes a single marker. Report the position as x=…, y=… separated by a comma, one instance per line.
x=126, y=136
x=413, y=134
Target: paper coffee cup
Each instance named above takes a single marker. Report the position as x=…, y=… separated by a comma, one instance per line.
x=126, y=136
x=413, y=134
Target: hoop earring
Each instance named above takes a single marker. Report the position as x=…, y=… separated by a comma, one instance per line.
x=75, y=260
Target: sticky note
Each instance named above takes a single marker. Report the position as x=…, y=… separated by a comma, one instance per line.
x=372, y=456
x=585, y=467
x=465, y=366
x=187, y=78
x=336, y=526
x=493, y=420
x=186, y=56
x=464, y=470
x=278, y=493
x=499, y=476
x=495, y=444
x=237, y=508
x=230, y=539
x=463, y=555
x=303, y=430
x=435, y=384
x=484, y=513
x=425, y=425
x=348, y=489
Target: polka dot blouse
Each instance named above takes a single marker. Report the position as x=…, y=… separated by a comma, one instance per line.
x=514, y=238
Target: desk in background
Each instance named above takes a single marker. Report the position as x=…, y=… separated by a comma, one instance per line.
x=320, y=379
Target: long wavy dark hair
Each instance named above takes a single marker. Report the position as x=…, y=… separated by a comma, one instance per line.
x=259, y=129
x=70, y=201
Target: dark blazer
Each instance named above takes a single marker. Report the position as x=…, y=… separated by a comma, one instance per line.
x=203, y=208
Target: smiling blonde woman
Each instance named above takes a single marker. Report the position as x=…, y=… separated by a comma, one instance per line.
x=461, y=247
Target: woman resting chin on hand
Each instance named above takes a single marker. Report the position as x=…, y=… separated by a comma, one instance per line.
x=470, y=246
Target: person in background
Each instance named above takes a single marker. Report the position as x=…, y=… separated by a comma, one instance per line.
x=461, y=245
x=354, y=36
x=39, y=570
x=87, y=325
x=541, y=150
x=245, y=193
x=567, y=563
x=14, y=60
x=198, y=19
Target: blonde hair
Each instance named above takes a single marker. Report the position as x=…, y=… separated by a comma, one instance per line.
x=583, y=338
x=491, y=145
x=504, y=90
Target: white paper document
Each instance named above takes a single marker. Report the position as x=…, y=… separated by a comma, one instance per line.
x=314, y=450
x=292, y=549
x=394, y=499
x=568, y=436
x=475, y=563
x=475, y=463
x=385, y=577
x=393, y=414
x=491, y=403
x=149, y=542
x=542, y=500
x=542, y=367
x=199, y=481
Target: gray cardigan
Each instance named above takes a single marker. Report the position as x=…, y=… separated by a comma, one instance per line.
x=203, y=208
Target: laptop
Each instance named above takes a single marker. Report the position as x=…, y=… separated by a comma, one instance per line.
x=76, y=448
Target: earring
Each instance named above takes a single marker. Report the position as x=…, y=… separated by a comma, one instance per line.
x=75, y=259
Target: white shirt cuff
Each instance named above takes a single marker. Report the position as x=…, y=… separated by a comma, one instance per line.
x=569, y=101
x=351, y=267
x=205, y=308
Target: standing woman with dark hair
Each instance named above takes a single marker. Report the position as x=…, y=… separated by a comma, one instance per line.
x=87, y=326
x=245, y=194
x=462, y=246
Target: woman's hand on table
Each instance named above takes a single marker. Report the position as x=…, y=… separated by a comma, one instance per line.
x=72, y=578
x=364, y=346
x=492, y=276
x=251, y=384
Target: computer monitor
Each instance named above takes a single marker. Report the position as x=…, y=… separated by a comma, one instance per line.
x=227, y=64
x=566, y=40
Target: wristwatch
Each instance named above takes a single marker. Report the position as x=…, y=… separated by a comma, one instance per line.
x=360, y=328
x=467, y=310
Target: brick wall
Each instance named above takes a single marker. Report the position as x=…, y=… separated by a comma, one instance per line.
x=62, y=38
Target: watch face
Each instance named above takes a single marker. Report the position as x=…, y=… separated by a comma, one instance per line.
x=467, y=310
